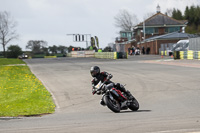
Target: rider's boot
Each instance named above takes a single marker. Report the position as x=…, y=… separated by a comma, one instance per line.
x=102, y=103
x=130, y=96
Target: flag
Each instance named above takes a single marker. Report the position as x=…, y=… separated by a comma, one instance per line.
x=97, y=41
x=92, y=42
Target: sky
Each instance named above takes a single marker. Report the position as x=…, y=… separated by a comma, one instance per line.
x=52, y=20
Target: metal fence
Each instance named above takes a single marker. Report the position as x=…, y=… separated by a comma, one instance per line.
x=194, y=44
x=117, y=47
x=166, y=47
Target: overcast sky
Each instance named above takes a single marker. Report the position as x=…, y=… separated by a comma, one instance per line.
x=51, y=20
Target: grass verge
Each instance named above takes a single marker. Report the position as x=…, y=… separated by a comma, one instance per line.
x=22, y=94
x=5, y=61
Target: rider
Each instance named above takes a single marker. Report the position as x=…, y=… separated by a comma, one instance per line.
x=102, y=76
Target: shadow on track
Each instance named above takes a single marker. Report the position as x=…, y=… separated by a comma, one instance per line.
x=130, y=111
x=8, y=118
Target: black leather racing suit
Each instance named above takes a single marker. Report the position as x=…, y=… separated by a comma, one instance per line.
x=102, y=77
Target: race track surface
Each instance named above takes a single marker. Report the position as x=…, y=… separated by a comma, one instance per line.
x=168, y=92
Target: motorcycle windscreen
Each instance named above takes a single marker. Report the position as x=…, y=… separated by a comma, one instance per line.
x=98, y=85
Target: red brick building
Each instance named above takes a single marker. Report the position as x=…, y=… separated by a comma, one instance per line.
x=151, y=33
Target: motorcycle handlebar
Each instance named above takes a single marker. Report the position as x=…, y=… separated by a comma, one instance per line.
x=97, y=90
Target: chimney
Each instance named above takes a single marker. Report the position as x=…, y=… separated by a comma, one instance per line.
x=158, y=9
x=183, y=29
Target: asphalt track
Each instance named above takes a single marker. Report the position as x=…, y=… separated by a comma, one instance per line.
x=168, y=92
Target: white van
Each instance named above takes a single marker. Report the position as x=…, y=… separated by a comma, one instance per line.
x=182, y=45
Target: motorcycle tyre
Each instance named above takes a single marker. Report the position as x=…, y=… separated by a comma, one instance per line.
x=134, y=106
x=110, y=105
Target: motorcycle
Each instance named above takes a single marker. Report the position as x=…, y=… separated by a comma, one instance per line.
x=114, y=99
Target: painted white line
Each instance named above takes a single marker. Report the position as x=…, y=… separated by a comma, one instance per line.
x=54, y=98
x=165, y=60
x=179, y=131
x=15, y=65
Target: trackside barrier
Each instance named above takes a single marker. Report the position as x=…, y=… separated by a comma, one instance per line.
x=69, y=55
x=164, y=53
x=82, y=53
x=106, y=55
x=187, y=55
x=122, y=55
x=111, y=55
x=190, y=55
x=50, y=56
x=42, y=56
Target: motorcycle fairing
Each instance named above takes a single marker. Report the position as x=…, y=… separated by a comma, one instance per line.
x=120, y=93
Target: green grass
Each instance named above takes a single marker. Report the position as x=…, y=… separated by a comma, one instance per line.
x=22, y=94
x=39, y=56
x=5, y=61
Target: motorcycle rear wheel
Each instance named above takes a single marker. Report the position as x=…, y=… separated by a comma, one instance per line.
x=113, y=105
x=134, y=105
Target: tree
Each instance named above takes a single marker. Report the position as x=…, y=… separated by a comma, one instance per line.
x=7, y=30
x=187, y=13
x=45, y=50
x=62, y=49
x=169, y=12
x=177, y=14
x=125, y=21
x=192, y=14
x=107, y=49
x=36, y=45
x=53, y=49
x=14, y=51
x=148, y=15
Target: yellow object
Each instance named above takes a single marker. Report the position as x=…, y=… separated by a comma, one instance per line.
x=181, y=54
x=50, y=56
x=190, y=55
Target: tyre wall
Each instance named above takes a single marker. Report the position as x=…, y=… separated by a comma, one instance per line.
x=104, y=55
x=187, y=55
x=111, y=55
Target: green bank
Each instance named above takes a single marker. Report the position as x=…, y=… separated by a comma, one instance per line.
x=21, y=93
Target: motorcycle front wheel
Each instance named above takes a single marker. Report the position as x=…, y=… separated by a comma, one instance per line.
x=112, y=104
x=134, y=105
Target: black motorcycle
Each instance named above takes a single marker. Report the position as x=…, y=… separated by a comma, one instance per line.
x=114, y=99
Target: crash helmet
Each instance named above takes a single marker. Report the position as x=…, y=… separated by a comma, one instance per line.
x=95, y=70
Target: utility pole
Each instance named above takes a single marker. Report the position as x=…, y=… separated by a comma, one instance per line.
x=144, y=29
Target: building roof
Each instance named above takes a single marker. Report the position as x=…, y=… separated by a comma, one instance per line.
x=160, y=19
x=173, y=35
x=126, y=31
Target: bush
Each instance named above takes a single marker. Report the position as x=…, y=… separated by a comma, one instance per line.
x=14, y=51
x=1, y=54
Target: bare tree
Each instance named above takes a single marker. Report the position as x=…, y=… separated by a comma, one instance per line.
x=36, y=45
x=169, y=12
x=148, y=15
x=125, y=20
x=7, y=30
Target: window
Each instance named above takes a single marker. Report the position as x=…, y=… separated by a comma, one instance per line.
x=123, y=34
x=171, y=29
x=156, y=30
x=151, y=30
x=127, y=35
